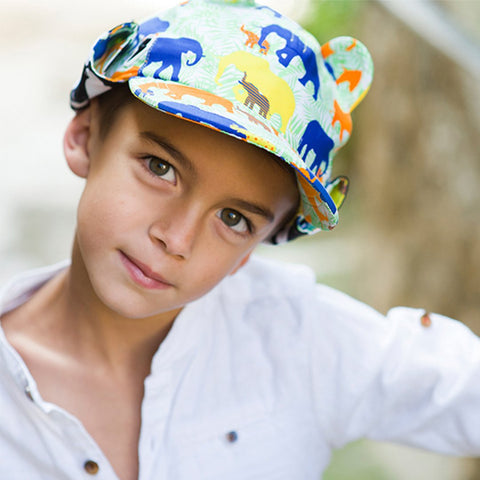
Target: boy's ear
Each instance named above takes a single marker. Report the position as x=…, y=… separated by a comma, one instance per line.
x=241, y=264
x=75, y=143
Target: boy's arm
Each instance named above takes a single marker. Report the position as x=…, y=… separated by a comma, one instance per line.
x=395, y=378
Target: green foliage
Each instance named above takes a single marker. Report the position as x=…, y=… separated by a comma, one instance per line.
x=354, y=463
x=333, y=18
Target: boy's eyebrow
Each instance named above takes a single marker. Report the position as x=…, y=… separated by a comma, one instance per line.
x=248, y=206
x=255, y=209
x=163, y=143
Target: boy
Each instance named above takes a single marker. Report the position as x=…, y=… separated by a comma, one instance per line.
x=162, y=351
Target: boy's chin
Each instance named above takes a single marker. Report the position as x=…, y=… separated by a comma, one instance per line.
x=131, y=305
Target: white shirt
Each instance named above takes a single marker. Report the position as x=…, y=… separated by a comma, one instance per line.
x=260, y=380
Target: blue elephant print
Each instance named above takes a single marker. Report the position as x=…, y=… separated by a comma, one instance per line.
x=330, y=70
x=202, y=116
x=293, y=47
x=169, y=51
x=314, y=138
x=263, y=7
x=153, y=25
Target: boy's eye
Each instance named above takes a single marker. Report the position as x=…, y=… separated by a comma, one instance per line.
x=234, y=220
x=161, y=168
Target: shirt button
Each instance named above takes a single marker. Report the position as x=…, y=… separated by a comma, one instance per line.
x=91, y=467
x=425, y=320
x=232, y=436
x=28, y=393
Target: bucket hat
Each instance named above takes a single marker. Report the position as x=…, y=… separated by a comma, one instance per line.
x=250, y=72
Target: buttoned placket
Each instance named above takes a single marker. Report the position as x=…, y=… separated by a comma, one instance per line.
x=159, y=392
x=156, y=406
x=91, y=462
x=82, y=449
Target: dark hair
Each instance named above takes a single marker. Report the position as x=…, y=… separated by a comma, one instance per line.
x=109, y=106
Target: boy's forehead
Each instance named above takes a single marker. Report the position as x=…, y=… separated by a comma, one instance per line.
x=185, y=138
x=224, y=165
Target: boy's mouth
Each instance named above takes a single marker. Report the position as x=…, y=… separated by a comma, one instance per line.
x=143, y=275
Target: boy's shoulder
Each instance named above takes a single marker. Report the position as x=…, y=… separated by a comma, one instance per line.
x=24, y=284
x=263, y=276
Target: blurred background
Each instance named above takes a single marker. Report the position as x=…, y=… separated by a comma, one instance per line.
x=410, y=227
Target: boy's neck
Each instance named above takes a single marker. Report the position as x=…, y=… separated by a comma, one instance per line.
x=73, y=321
x=114, y=340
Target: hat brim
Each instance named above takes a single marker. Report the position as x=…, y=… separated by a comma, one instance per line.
x=235, y=119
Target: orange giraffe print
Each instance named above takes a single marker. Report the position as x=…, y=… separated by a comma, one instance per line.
x=327, y=50
x=176, y=92
x=344, y=118
x=352, y=46
x=252, y=40
x=311, y=194
x=351, y=76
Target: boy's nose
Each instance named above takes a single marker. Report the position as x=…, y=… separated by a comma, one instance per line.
x=176, y=230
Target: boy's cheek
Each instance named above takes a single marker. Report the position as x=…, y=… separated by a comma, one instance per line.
x=102, y=212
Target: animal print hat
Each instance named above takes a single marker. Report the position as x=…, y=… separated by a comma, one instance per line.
x=249, y=72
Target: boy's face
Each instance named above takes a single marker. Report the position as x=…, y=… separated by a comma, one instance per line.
x=169, y=207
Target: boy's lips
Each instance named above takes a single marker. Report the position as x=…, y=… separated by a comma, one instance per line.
x=142, y=274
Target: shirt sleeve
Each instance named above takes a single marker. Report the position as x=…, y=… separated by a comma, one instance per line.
x=394, y=377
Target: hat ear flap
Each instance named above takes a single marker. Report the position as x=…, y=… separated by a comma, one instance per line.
x=351, y=66
x=99, y=73
x=112, y=50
